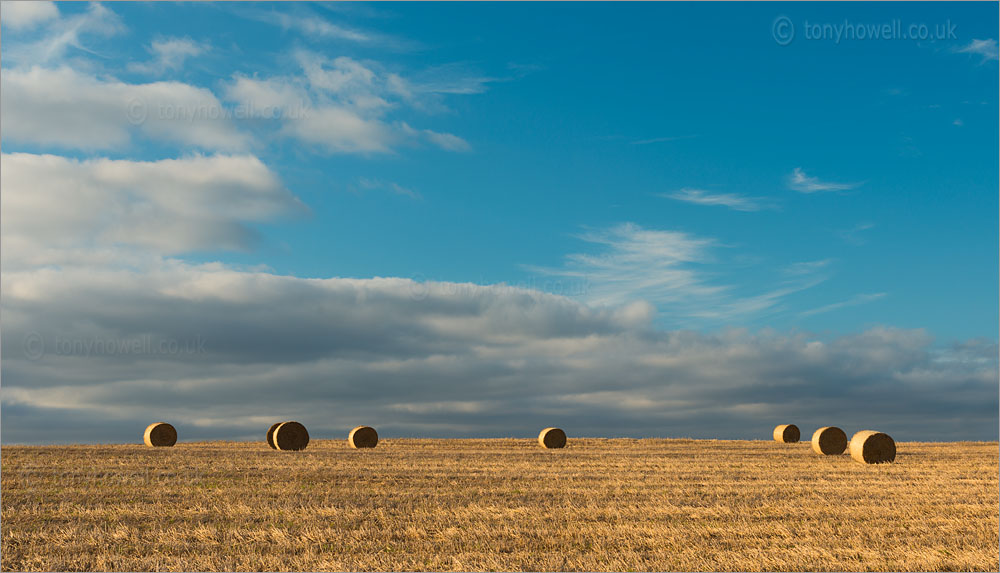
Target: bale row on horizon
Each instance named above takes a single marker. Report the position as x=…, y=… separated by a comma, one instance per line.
x=866, y=446
x=293, y=436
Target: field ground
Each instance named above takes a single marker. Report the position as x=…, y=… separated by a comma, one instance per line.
x=499, y=504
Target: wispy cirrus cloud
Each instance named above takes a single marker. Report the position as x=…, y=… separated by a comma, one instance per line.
x=677, y=272
x=338, y=105
x=58, y=34
x=986, y=49
x=368, y=183
x=854, y=235
x=453, y=78
x=853, y=301
x=734, y=201
x=806, y=267
x=638, y=263
x=319, y=27
x=661, y=139
x=799, y=181
x=447, y=141
x=309, y=23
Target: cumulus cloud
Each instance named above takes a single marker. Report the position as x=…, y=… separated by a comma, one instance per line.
x=799, y=181
x=734, y=201
x=66, y=108
x=341, y=130
x=27, y=15
x=64, y=211
x=92, y=355
x=169, y=54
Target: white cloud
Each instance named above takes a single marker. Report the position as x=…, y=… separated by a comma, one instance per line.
x=169, y=54
x=341, y=130
x=337, y=105
x=69, y=212
x=61, y=34
x=340, y=106
x=69, y=109
x=987, y=49
x=731, y=200
x=271, y=98
x=853, y=301
x=318, y=27
x=348, y=81
x=27, y=15
x=799, y=181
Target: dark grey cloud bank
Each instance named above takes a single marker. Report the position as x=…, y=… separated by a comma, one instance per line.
x=92, y=355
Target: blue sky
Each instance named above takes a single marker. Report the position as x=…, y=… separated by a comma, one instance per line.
x=678, y=165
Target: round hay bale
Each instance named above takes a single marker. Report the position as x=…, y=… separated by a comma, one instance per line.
x=829, y=441
x=363, y=437
x=270, y=435
x=160, y=435
x=290, y=436
x=786, y=434
x=552, y=438
x=870, y=447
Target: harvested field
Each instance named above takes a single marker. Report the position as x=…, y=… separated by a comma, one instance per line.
x=498, y=504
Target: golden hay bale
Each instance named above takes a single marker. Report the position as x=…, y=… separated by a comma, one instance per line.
x=552, y=438
x=786, y=434
x=363, y=437
x=160, y=435
x=870, y=447
x=829, y=441
x=290, y=436
x=270, y=435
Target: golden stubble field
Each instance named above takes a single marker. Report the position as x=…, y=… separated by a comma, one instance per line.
x=623, y=505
